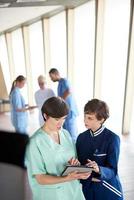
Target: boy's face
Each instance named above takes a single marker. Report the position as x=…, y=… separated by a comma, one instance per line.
x=91, y=122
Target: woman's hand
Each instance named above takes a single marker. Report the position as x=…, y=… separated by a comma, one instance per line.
x=32, y=107
x=46, y=179
x=77, y=175
x=74, y=161
x=94, y=165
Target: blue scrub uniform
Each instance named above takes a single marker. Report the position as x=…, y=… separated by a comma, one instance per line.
x=70, y=122
x=19, y=119
x=44, y=156
x=102, y=147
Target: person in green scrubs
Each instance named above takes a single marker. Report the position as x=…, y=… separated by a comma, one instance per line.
x=50, y=149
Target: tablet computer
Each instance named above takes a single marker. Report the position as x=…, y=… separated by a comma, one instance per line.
x=80, y=169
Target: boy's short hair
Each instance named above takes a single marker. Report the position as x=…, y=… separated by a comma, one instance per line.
x=97, y=107
x=55, y=107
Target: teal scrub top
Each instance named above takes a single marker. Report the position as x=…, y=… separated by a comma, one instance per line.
x=44, y=156
x=19, y=119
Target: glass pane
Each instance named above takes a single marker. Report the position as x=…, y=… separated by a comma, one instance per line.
x=58, y=53
x=4, y=62
x=37, y=53
x=18, y=52
x=116, y=30
x=84, y=37
x=132, y=122
x=18, y=57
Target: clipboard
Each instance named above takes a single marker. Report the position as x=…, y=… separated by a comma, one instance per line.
x=80, y=169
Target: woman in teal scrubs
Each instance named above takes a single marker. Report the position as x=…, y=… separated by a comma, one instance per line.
x=50, y=149
x=19, y=115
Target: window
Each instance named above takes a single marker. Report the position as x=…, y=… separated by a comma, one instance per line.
x=18, y=57
x=58, y=49
x=36, y=50
x=84, y=37
x=116, y=30
x=4, y=62
x=18, y=52
x=58, y=43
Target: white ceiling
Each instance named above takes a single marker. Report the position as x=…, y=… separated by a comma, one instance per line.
x=17, y=12
x=11, y=17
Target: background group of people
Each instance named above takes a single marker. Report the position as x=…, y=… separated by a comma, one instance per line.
x=19, y=109
x=55, y=144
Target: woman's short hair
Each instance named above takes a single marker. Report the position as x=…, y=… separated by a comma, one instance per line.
x=41, y=78
x=55, y=107
x=97, y=107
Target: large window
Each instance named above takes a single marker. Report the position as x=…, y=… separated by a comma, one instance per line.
x=58, y=50
x=116, y=30
x=4, y=62
x=36, y=52
x=84, y=40
x=58, y=43
x=18, y=52
x=18, y=57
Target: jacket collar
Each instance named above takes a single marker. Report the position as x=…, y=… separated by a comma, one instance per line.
x=97, y=132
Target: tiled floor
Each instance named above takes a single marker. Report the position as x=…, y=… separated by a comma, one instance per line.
x=126, y=162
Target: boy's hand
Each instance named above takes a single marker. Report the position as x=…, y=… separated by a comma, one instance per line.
x=94, y=165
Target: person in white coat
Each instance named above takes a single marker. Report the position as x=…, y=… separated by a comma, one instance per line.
x=42, y=95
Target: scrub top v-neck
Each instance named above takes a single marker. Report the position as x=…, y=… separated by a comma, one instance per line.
x=45, y=156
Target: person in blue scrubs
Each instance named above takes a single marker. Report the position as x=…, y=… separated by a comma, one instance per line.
x=64, y=91
x=19, y=115
x=50, y=149
x=99, y=147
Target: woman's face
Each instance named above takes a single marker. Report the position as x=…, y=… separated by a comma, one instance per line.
x=41, y=84
x=91, y=122
x=55, y=123
x=21, y=84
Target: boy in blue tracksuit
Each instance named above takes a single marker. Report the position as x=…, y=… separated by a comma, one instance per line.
x=99, y=148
